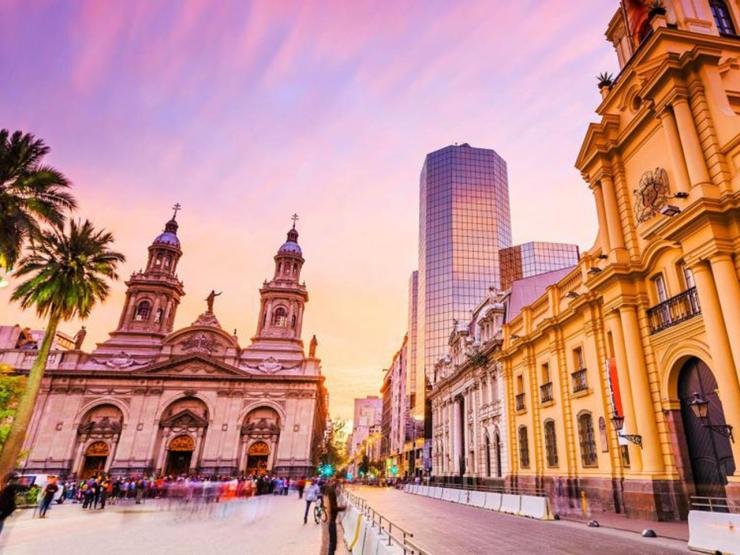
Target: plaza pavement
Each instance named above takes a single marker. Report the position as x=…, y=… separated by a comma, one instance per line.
x=262, y=525
x=444, y=528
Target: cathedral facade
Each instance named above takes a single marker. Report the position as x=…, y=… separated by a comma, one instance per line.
x=154, y=399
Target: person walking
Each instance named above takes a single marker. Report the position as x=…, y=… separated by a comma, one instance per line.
x=334, y=508
x=7, y=497
x=300, y=486
x=47, y=495
x=312, y=495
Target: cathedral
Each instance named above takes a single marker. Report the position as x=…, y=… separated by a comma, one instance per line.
x=154, y=399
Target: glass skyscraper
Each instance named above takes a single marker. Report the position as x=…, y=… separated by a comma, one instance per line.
x=535, y=257
x=463, y=223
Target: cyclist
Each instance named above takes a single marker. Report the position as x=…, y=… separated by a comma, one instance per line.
x=313, y=495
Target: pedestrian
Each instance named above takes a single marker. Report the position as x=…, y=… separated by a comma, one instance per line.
x=286, y=486
x=300, y=486
x=140, y=484
x=47, y=495
x=312, y=495
x=334, y=509
x=10, y=489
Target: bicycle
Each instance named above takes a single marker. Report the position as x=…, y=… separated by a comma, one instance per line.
x=319, y=512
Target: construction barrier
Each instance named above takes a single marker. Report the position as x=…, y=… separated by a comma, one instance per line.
x=424, y=490
x=435, y=492
x=535, y=507
x=450, y=494
x=358, y=546
x=714, y=532
x=477, y=498
x=493, y=501
x=351, y=524
x=370, y=546
x=510, y=503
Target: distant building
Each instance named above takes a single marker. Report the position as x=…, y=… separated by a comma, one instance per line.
x=367, y=420
x=16, y=337
x=535, y=257
x=464, y=222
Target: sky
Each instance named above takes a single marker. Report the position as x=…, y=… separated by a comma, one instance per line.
x=246, y=112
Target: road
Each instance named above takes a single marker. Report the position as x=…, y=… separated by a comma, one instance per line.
x=445, y=528
x=266, y=525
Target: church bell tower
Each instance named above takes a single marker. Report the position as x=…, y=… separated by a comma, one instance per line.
x=282, y=299
x=154, y=293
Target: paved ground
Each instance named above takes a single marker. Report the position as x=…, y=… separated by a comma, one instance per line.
x=265, y=525
x=445, y=528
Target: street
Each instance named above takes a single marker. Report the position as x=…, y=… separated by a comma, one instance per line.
x=264, y=524
x=444, y=528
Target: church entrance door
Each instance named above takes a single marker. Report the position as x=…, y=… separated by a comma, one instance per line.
x=95, y=457
x=257, y=457
x=179, y=455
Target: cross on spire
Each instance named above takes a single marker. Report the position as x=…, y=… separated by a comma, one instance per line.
x=294, y=217
x=176, y=209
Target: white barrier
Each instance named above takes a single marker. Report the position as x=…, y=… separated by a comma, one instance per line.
x=535, y=507
x=477, y=498
x=714, y=532
x=510, y=503
x=435, y=492
x=450, y=494
x=350, y=524
x=370, y=546
x=493, y=501
x=424, y=490
x=407, y=488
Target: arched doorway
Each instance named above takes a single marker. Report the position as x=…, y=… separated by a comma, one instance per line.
x=710, y=453
x=260, y=436
x=179, y=455
x=488, y=456
x=96, y=456
x=257, y=456
x=97, y=437
x=497, y=446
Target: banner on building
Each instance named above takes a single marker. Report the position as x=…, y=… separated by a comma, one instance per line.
x=615, y=396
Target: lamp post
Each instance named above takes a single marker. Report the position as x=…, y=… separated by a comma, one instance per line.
x=700, y=407
x=618, y=423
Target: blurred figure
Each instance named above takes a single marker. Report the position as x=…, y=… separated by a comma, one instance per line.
x=333, y=508
x=300, y=486
x=47, y=495
x=312, y=496
x=11, y=488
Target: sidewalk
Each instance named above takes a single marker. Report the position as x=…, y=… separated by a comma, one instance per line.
x=674, y=530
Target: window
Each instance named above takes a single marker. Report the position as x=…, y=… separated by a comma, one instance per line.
x=158, y=316
x=545, y=373
x=586, y=439
x=158, y=260
x=722, y=17
x=523, y=447
x=551, y=445
x=143, y=310
x=280, y=317
x=688, y=276
x=660, y=288
x=578, y=358
x=167, y=262
x=520, y=384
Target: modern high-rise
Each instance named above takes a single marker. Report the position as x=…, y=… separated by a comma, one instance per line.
x=412, y=339
x=463, y=223
x=535, y=257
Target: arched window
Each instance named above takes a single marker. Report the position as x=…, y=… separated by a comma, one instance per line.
x=722, y=17
x=523, y=447
x=488, y=456
x=551, y=444
x=158, y=260
x=280, y=317
x=167, y=262
x=143, y=310
x=280, y=267
x=586, y=439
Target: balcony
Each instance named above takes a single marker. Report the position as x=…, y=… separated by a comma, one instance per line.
x=580, y=381
x=519, y=402
x=674, y=311
x=546, y=392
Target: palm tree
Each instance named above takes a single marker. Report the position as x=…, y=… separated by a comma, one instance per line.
x=30, y=193
x=66, y=273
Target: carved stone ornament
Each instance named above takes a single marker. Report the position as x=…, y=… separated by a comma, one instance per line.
x=121, y=360
x=270, y=365
x=652, y=194
x=199, y=343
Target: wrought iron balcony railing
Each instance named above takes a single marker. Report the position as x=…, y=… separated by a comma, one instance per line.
x=580, y=381
x=546, y=392
x=520, y=401
x=674, y=311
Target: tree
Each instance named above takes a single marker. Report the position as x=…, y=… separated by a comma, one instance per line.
x=31, y=194
x=334, y=452
x=11, y=388
x=66, y=273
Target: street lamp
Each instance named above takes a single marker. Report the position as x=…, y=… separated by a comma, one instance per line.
x=618, y=423
x=700, y=407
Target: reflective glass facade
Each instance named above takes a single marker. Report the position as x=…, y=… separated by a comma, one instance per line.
x=463, y=223
x=535, y=257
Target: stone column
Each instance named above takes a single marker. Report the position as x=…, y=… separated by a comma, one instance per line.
x=601, y=215
x=614, y=325
x=723, y=366
x=728, y=286
x=692, y=150
x=647, y=425
x=613, y=222
x=670, y=132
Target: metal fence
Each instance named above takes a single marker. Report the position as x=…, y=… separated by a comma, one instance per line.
x=512, y=489
x=713, y=504
x=395, y=533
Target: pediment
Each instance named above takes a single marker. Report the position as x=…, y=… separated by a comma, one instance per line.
x=193, y=366
x=184, y=419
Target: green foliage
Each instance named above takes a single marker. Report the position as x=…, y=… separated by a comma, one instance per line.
x=31, y=194
x=11, y=388
x=67, y=271
x=334, y=450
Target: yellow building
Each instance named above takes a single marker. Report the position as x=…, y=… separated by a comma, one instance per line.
x=645, y=334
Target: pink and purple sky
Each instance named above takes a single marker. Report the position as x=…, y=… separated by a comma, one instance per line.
x=245, y=112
